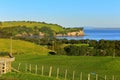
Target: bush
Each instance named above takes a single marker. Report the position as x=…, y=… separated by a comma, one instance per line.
x=4, y=53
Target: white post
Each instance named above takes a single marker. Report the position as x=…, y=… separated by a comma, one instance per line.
x=57, y=73
x=10, y=47
x=50, y=72
x=42, y=70
x=88, y=76
x=65, y=74
x=105, y=77
x=73, y=75
x=19, y=66
x=30, y=67
x=26, y=68
x=5, y=67
x=81, y=76
x=96, y=76
x=36, y=69
x=113, y=78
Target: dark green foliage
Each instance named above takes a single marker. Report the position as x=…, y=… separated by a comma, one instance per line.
x=73, y=50
x=4, y=53
x=75, y=47
x=52, y=53
x=49, y=33
x=12, y=31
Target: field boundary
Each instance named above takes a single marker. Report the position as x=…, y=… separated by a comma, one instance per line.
x=28, y=68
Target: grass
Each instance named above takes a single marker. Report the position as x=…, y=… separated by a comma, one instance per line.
x=81, y=45
x=54, y=27
x=22, y=47
x=88, y=65
x=23, y=76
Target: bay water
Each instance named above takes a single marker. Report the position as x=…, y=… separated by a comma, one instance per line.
x=98, y=34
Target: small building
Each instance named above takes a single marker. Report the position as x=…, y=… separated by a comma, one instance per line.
x=5, y=64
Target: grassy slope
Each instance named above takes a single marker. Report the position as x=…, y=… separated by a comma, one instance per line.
x=22, y=47
x=93, y=65
x=54, y=27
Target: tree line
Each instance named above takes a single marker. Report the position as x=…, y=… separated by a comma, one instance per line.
x=79, y=47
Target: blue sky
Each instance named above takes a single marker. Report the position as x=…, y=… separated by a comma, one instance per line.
x=68, y=13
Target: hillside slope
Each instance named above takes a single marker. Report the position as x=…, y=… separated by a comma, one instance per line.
x=22, y=47
x=32, y=24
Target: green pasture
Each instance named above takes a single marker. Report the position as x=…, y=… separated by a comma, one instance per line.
x=54, y=27
x=27, y=53
x=24, y=76
x=85, y=64
x=22, y=47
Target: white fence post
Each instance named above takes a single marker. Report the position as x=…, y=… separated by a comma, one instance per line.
x=57, y=73
x=42, y=70
x=105, y=77
x=65, y=74
x=113, y=77
x=26, y=68
x=19, y=66
x=73, y=75
x=88, y=76
x=50, y=72
x=30, y=67
x=81, y=76
x=96, y=76
x=35, y=69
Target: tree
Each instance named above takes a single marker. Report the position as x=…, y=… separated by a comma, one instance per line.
x=36, y=30
x=49, y=33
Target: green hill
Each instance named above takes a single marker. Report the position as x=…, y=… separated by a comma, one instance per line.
x=21, y=47
x=32, y=24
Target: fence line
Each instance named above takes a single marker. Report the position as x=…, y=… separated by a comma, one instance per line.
x=28, y=68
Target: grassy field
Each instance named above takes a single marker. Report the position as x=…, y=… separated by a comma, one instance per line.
x=54, y=27
x=24, y=76
x=22, y=47
x=87, y=65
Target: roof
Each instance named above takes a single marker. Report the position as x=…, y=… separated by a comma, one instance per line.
x=6, y=59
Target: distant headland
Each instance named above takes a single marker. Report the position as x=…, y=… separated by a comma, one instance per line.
x=33, y=28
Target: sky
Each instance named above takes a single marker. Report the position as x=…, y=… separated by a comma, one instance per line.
x=67, y=13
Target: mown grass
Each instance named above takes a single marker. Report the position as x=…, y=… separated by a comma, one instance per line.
x=88, y=65
x=54, y=27
x=22, y=47
x=24, y=76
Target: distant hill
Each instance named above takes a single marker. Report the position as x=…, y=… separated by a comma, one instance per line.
x=32, y=28
x=22, y=47
x=32, y=24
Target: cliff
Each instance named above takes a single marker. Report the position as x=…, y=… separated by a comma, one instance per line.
x=73, y=33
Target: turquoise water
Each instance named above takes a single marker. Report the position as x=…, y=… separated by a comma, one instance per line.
x=98, y=34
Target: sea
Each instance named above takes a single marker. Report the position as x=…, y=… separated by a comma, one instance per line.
x=98, y=34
